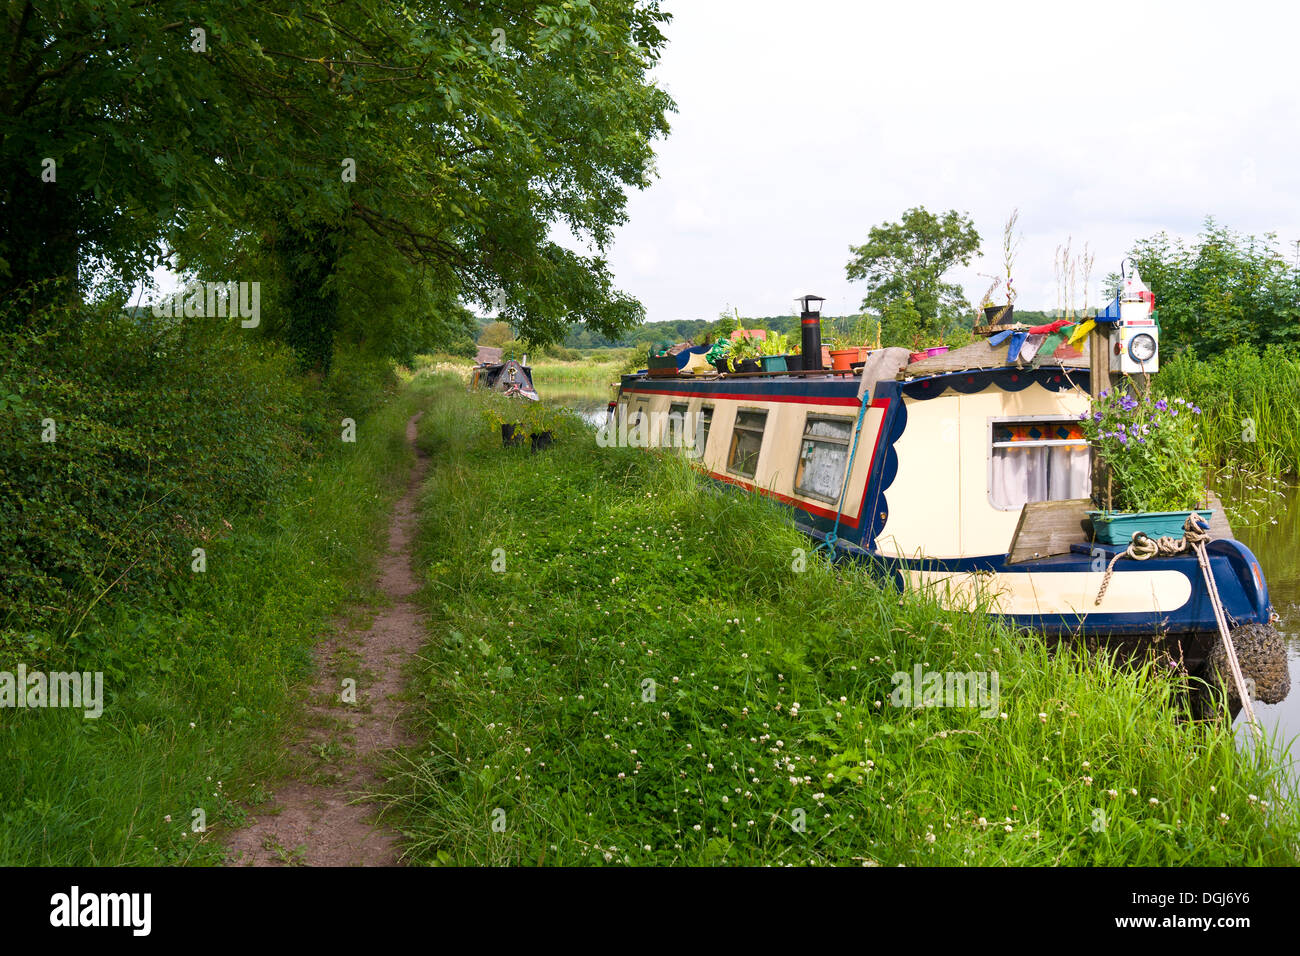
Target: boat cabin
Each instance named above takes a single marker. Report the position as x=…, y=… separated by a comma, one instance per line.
x=964, y=473
x=509, y=377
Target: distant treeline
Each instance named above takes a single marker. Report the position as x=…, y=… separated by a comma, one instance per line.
x=681, y=330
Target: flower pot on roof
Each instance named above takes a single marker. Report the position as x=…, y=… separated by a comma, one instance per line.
x=773, y=352
x=745, y=354
x=1149, y=447
x=842, y=354
x=717, y=355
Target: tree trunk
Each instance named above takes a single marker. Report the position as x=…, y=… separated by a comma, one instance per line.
x=310, y=254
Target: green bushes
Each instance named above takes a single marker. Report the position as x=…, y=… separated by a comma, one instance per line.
x=127, y=442
x=1251, y=400
x=200, y=680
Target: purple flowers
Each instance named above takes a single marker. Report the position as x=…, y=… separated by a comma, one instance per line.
x=1161, y=477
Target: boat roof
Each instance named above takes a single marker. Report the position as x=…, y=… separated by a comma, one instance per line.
x=980, y=356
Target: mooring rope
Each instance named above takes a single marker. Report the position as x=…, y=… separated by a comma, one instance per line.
x=1196, y=534
x=828, y=542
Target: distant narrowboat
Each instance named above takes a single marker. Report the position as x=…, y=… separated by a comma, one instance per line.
x=506, y=376
x=963, y=474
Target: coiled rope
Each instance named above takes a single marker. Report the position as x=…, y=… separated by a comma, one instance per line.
x=1196, y=534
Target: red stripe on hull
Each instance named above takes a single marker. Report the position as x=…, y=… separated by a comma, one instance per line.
x=748, y=396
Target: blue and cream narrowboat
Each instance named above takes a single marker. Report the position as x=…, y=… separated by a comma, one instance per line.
x=962, y=474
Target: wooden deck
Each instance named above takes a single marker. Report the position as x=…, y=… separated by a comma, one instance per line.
x=1051, y=527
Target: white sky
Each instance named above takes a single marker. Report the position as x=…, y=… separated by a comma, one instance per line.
x=800, y=126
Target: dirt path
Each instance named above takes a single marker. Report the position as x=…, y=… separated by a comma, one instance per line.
x=313, y=819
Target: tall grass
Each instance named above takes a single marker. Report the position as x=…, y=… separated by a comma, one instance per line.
x=200, y=681
x=1251, y=401
x=591, y=376
x=627, y=666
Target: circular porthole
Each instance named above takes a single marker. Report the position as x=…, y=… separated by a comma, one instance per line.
x=1142, y=348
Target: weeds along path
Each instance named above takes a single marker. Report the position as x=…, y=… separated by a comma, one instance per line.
x=316, y=817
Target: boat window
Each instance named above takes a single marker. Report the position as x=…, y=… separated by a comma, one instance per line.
x=703, y=424
x=638, y=413
x=746, y=441
x=676, y=434
x=638, y=422
x=1037, y=459
x=823, y=457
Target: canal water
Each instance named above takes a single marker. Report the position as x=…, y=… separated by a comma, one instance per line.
x=1266, y=518
x=590, y=404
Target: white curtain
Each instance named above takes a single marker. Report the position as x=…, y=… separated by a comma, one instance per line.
x=1039, y=473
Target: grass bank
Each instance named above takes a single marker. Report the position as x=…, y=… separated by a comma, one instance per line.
x=200, y=678
x=1251, y=400
x=553, y=376
x=628, y=667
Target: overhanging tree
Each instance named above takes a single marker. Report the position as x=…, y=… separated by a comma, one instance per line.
x=475, y=136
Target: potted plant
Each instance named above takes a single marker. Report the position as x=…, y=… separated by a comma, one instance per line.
x=864, y=330
x=842, y=354
x=794, y=358
x=511, y=431
x=745, y=354
x=773, y=352
x=539, y=421
x=1157, y=476
x=717, y=355
x=1004, y=315
x=933, y=345
x=991, y=310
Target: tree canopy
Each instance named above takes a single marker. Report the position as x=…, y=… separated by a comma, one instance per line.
x=1222, y=290
x=452, y=137
x=904, y=264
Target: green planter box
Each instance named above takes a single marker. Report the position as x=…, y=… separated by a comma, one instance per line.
x=773, y=363
x=1118, y=527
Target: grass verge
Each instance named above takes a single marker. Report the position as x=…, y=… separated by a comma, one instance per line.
x=200, y=683
x=628, y=667
x=1251, y=400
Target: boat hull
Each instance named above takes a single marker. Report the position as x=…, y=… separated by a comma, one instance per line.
x=1163, y=599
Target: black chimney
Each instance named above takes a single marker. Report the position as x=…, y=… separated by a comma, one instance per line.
x=810, y=323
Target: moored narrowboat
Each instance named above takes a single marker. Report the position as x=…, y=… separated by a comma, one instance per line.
x=965, y=474
x=506, y=376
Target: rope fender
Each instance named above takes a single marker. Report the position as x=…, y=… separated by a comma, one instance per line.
x=1196, y=533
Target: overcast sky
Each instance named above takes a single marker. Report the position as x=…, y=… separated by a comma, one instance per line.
x=802, y=125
